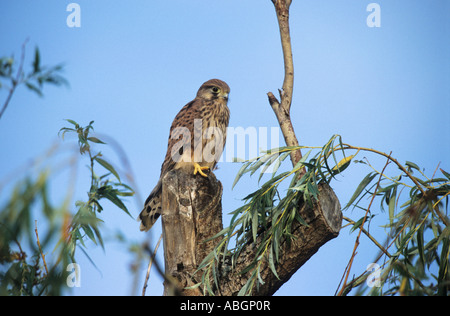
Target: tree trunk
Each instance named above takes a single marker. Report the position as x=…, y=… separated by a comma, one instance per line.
x=192, y=213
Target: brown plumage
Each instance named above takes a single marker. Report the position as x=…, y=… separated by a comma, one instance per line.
x=196, y=141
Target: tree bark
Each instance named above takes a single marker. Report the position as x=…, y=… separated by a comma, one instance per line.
x=192, y=213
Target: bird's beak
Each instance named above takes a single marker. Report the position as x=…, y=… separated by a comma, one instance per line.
x=225, y=96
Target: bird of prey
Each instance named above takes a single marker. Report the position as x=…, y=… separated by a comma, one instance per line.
x=196, y=141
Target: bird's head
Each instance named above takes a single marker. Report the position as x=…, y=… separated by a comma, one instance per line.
x=213, y=89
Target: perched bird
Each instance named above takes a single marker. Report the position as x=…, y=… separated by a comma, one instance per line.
x=196, y=141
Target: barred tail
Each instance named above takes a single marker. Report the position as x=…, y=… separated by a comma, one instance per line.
x=152, y=209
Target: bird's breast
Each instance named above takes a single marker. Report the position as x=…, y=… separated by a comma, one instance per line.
x=216, y=114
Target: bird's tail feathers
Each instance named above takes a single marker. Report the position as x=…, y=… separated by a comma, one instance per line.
x=152, y=209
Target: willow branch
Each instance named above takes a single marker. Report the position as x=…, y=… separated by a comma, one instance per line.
x=350, y=263
x=152, y=258
x=383, y=250
x=401, y=167
x=40, y=248
x=282, y=107
x=16, y=81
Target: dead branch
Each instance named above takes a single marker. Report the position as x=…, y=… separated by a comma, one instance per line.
x=282, y=107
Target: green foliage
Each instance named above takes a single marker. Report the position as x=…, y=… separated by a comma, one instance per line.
x=419, y=231
x=20, y=272
x=268, y=215
x=85, y=222
x=418, y=227
x=34, y=79
x=26, y=271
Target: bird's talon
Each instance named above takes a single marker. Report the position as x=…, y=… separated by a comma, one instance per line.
x=199, y=169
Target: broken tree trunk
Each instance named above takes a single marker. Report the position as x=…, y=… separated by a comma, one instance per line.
x=192, y=213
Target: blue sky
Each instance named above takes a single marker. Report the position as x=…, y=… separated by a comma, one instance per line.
x=132, y=65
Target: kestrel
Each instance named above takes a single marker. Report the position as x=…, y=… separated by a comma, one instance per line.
x=196, y=141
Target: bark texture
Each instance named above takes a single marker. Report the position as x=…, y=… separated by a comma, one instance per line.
x=192, y=213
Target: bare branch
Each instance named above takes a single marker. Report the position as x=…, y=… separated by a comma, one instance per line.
x=282, y=10
x=152, y=258
x=282, y=107
x=40, y=248
x=349, y=265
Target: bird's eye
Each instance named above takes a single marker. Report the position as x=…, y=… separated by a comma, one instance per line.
x=215, y=89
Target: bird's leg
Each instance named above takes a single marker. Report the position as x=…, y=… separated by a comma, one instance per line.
x=199, y=169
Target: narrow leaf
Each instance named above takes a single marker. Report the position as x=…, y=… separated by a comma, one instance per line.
x=193, y=287
x=445, y=173
x=255, y=224
x=95, y=140
x=443, y=268
x=37, y=61
x=34, y=88
x=240, y=173
x=367, y=179
x=420, y=244
x=412, y=165
x=392, y=205
x=357, y=224
x=107, y=166
x=343, y=164
x=113, y=198
x=73, y=123
x=272, y=263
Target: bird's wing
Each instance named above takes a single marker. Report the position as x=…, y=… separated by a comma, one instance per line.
x=183, y=120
